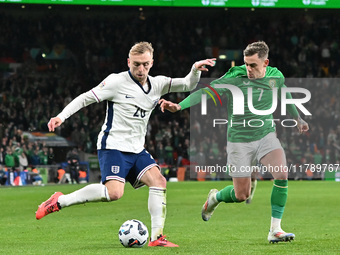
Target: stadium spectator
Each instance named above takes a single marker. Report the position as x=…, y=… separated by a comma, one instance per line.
x=2, y=155
x=9, y=159
x=73, y=165
x=23, y=161
x=160, y=153
x=51, y=156
x=35, y=158
x=168, y=150
x=61, y=178
x=35, y=176
x=3, y=175
x=43, y=155
x=82, y=176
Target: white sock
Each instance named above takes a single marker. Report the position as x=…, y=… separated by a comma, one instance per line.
x=275, y=224
x=157, y=209
x=90, y=193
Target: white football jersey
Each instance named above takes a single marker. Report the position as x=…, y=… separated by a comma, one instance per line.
x=129, y=106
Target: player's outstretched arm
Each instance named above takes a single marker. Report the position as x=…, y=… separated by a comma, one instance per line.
x=190, y=81
x=302, y=125
x=54, y=123
x=75, y=105
x=201, y=65
x=168, y=105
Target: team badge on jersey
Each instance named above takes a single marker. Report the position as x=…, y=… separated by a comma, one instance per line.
x=272, y=83
x=102, y=84
x=115, y=169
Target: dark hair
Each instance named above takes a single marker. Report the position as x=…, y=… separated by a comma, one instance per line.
x=260, y=47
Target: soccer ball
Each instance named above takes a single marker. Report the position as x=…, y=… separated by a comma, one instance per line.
x=133, y=233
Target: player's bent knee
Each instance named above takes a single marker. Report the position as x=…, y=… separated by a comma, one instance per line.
x=158, y=181
x=115, y=195
x=242, y=196
x=162, y=181
x=115, y=189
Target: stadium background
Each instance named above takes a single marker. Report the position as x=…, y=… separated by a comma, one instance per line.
x=50, y=55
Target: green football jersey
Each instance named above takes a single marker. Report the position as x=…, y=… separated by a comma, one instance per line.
x=249, y=126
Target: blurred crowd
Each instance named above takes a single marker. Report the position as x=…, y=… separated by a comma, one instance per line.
x=88, y=45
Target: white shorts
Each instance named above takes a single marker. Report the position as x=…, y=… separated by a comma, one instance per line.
x=243, y=157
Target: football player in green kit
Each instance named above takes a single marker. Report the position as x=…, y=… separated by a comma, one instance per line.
x=248, y=144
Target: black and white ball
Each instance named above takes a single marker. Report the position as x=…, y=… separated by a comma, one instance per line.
x=133, y=234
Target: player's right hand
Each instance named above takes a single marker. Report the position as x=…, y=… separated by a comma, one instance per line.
x=168, y=105
x=54, y=123
x=302, y=126
x=201, y=65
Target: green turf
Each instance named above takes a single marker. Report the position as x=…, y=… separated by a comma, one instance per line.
x=312, y=213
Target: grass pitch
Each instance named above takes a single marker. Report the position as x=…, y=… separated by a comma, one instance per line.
x=312, y=214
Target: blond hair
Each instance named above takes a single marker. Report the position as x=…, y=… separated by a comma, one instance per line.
x=260, y=47
x=141, y=48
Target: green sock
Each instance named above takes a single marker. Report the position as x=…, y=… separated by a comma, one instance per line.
x=227, y=195
x=279, y=198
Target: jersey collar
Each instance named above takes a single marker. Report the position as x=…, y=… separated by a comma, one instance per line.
x=140, y=85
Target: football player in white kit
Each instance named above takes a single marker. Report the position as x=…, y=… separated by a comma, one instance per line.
x=131, y=96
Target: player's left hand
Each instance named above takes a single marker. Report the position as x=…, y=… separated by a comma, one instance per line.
x=200, y=65
x=168, y=105
x=302, y=125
